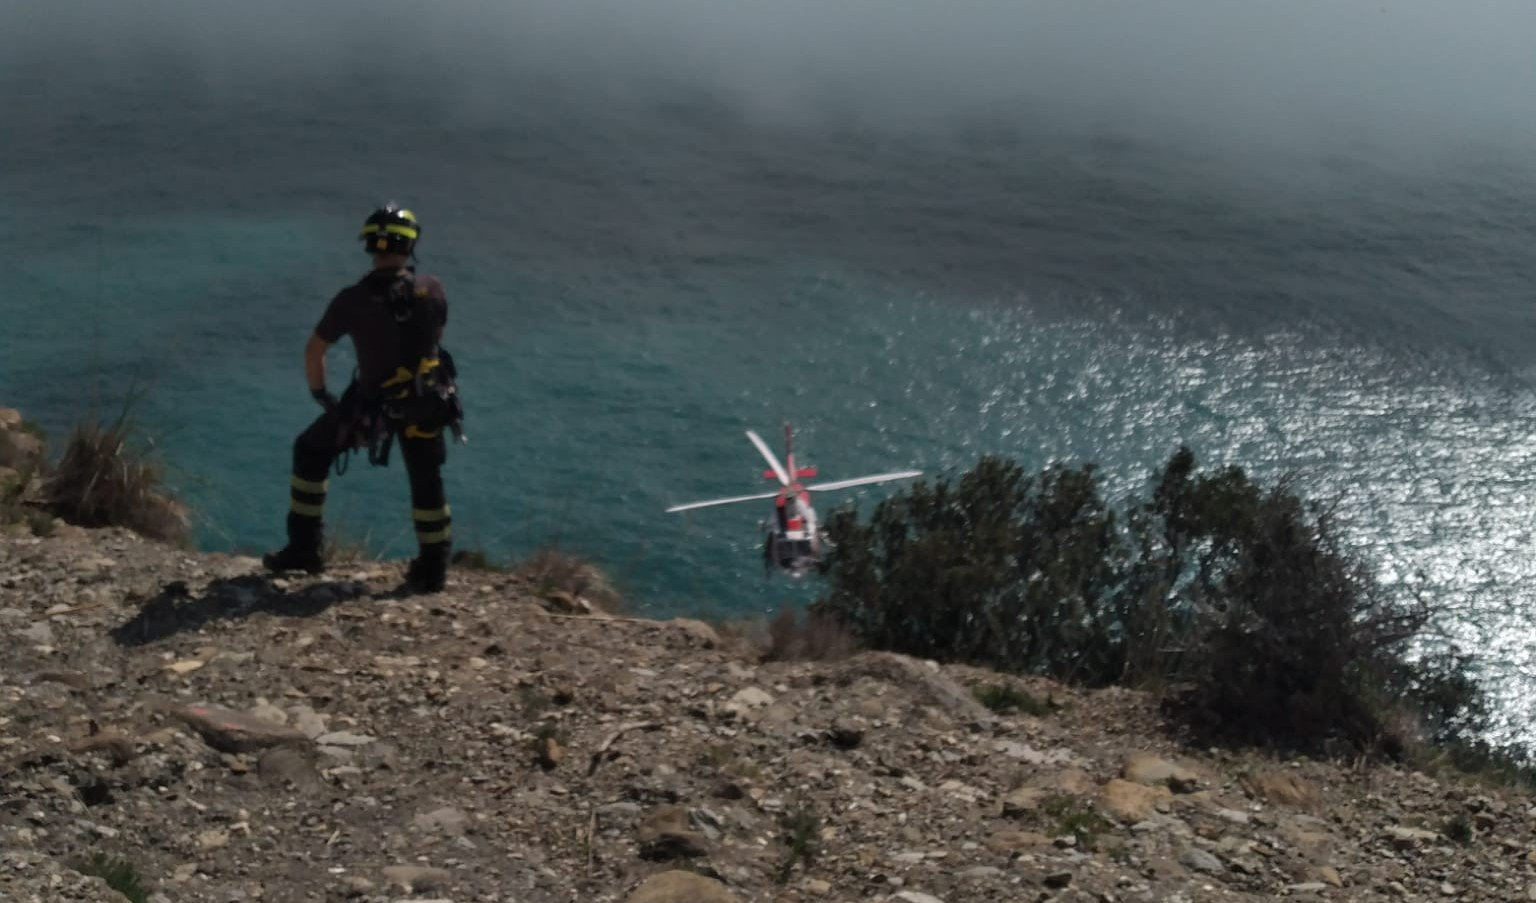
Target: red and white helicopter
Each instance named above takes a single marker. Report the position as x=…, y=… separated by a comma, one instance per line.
x=794, y=540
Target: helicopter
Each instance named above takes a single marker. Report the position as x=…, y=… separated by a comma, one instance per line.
x=794, y=540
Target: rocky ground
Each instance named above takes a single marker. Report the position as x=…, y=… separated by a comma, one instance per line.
x=239, y=738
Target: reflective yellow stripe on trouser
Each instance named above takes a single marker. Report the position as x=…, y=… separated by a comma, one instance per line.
x=306, y=497
x=433, y=525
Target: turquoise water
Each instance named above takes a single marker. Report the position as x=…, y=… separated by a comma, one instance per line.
x=640, y=269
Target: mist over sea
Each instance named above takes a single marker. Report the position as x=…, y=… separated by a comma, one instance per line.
x=1299, y=239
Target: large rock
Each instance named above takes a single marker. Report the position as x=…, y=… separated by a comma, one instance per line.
x=680, y=887
x=1130, y=802
x=1275, y=785
x=237, y=732
x=1016, y=841
x=699, y=632
x=1023, y=801
x=412, y=878
x=1145, y=768
x=1074, y=781
x=18, y=449
x=1408, y=838
x=1201, y=861
x=913, y=675
x=447, y=820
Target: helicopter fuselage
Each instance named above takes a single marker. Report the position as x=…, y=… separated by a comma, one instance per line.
x=794, y=539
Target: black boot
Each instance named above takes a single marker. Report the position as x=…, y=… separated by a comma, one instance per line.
x=428, y=572
x=302, y=553
x=294, y=558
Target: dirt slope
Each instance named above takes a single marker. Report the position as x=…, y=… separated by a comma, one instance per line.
x=241, y=739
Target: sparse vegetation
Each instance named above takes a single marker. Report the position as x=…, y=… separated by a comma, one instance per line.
x=1238, y=599
x=533, y=701
x=550, y=570
x=1073, y=817
x=1487, y=763
x=344, y=546
x=119, y=874
x=1458, y=829
x=1002, y=698
x=107, y=478
x=800, y=832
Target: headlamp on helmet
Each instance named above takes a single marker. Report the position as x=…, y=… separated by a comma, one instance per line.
x=390, y=230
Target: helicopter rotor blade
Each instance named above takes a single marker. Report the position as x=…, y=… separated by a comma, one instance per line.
x=731, y=501
x=864, y=481
x=778, y=469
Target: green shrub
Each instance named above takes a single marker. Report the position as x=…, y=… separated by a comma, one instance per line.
x=1458, y=828
x=1298, y=645
x=801, y=834
x=1001, y=698
x=1074, y=817
x=1238, y=598
x=998, y=568
x=119, y=874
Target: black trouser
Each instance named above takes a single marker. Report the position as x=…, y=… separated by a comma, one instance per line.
x=424, y=452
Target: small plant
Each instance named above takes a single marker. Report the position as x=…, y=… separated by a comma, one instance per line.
x=550, y=571
x=1119, y=852
x=533, y=701
x=801, y=834
x=1074, y=817
x=1458, y=828
x=41, y=523
x=119, y=874
x=344, y=546
x=1001, y=698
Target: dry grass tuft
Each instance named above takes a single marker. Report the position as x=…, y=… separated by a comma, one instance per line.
x=104, y=480
x=551, y=571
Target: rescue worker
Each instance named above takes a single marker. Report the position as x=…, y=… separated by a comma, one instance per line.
x=402, y=390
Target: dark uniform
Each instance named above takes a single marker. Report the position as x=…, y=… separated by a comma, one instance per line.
x=403, y=392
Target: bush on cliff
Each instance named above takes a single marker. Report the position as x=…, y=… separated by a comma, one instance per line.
x=1237, y=598
x=107, y=479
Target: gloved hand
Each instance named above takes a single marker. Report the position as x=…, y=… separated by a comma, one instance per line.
x=325, y=399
